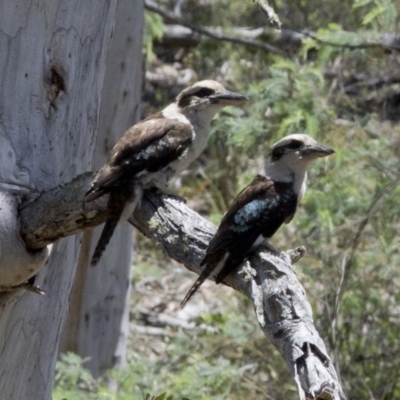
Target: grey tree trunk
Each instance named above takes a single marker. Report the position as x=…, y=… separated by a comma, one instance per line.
x=52, y=67
x=97, y=324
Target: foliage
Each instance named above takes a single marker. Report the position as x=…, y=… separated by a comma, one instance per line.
x=154, y=29
x=74, y=382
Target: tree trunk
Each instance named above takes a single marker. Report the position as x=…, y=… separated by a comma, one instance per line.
x=52, y=70
x=97, y=324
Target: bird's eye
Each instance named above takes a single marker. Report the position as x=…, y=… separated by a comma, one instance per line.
x=204, y=92
x=277, y=153
x=294, y=144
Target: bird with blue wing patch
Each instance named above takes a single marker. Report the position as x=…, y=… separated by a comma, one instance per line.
x=261, y=208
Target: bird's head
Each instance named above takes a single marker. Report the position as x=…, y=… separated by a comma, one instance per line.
x=207, y=98
x=293, y=154
x=298, y=149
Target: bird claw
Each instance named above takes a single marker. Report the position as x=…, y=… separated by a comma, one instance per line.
x=177, y=197
x=168, y=192
x=29, y=287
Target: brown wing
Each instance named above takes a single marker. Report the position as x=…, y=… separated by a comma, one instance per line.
x=148, y=146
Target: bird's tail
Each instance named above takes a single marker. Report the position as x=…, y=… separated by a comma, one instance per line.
x=212, y=261
x=106, y=234
x=116, y=204
x=200, y=280
x=93, y=193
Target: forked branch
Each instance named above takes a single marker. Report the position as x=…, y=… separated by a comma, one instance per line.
x=279, y=300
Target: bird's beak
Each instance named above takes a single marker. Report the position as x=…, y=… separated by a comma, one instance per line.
x=317, y=150
x=228, y=98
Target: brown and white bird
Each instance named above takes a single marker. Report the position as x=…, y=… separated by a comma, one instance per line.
x=154, y=150
x=261, y=208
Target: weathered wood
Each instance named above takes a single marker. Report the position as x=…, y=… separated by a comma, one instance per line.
x=42, y=224
x=17, y=264
x=51, y=76
x=279, y=300
x=98, y=319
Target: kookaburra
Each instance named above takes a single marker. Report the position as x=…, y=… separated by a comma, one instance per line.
x=261, y=208
x=154, y=150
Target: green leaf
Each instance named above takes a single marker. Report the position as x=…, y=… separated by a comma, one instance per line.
x=361, y=3
x=284, y=64
x=334, y=27
x=373, y=14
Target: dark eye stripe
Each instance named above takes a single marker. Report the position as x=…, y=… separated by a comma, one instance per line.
x=294, y=144
x=204, y=92
x=278, y=152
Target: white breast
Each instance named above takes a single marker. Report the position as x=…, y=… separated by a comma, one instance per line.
x=200, y=129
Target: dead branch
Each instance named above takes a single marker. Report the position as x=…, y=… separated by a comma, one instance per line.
x=272, y=17
x=278, y=39
x=152, y=6
x=279, y=300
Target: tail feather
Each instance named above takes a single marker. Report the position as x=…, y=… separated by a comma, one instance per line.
x=200, y=280
x=94, y=192
x=230, y=265
x=93, y=195
x=193, y=290
x=212, y=261
x=105, y=238
x=116, y=204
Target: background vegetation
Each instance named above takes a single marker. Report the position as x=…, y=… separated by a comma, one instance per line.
x=342, y=86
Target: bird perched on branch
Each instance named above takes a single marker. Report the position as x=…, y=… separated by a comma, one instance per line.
x=261, y=208
x=154, y=150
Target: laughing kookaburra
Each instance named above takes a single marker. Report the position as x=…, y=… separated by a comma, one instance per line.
x=155, y=149
x=261, y=208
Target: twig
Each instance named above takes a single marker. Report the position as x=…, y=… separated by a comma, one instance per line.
x=377, y=82
x=159, y=319
x=154, y=7
x=347, y=262
x=272, y=17
x=352, y=46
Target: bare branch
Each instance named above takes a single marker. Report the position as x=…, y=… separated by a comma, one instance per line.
x=279, y=300
x=186, y=34
x=366, y=45
x=60, y=212
x=152, y=6
x=272, y=17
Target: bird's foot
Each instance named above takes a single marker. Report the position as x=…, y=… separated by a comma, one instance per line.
x=177, y=197
x=170, y=193
x=27, y=286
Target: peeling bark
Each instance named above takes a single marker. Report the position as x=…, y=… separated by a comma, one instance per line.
x=279, y=300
